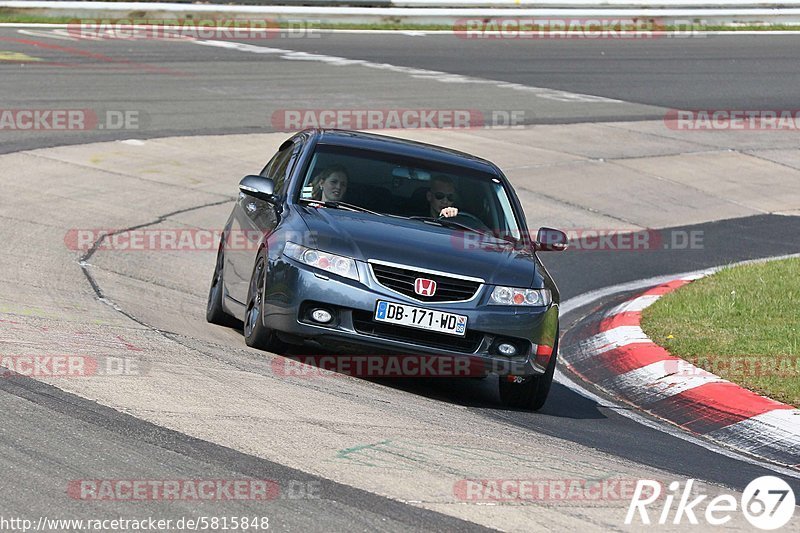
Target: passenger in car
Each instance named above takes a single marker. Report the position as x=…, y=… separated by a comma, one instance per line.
x=330, y=185
x=441, y=196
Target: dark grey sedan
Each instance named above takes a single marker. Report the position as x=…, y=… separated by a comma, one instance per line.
x=368, y=244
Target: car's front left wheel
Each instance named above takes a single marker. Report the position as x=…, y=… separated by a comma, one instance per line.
x=256, y=334
x=215, y=313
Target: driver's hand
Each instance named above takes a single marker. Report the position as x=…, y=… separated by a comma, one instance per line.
x=448, y=212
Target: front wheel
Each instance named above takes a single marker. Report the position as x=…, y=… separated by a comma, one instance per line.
x=256, y=335
x=529, y=393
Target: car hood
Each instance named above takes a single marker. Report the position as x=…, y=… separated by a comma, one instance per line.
x=418, y=244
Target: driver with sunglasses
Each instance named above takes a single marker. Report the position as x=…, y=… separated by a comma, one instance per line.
x=442, y=196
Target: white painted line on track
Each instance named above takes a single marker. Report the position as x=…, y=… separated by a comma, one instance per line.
x=611, y=339
x=572, y=303
x=572, y=384
x=637, y=305
x=58, y=34
x=658, y=381
x=625, y=410
x=582, y=300
x=434, y=75
x=779, y=427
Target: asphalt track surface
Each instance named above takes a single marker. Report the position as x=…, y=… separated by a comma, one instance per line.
x=181, y=88
x=186, y=89
x=685, y=72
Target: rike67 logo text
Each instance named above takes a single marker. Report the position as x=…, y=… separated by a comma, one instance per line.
x=767, y=502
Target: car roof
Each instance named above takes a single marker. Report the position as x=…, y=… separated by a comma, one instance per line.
x=383, y=143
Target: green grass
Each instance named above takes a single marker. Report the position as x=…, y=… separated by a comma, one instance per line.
x=25, y=16
x=742, y=323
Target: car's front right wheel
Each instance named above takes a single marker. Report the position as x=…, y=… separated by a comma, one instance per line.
x=529, y=392
x=256, y=334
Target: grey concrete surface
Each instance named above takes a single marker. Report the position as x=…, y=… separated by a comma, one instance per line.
x=203, y=405
x=202, y=382
x=183, y=88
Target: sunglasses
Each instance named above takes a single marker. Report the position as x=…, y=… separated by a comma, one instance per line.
x=451, y=197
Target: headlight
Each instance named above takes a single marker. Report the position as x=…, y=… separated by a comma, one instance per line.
x=335, y=264
x=514, y=296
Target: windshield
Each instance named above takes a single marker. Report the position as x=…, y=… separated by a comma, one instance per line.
x=401, y=186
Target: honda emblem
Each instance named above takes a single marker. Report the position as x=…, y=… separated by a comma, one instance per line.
x=424, y=287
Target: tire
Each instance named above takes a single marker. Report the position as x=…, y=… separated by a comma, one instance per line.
x=215, y=313
x=256, y=335
x=531, y=393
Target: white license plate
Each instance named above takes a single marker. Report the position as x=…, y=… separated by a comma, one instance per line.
x=417, y=317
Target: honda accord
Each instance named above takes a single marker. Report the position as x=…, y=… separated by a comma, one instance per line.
x=360, y=242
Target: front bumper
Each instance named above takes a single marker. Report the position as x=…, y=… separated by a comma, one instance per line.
x=293, y=289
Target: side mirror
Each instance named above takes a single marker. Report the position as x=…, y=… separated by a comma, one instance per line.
x=551, y=240
x=258, y=187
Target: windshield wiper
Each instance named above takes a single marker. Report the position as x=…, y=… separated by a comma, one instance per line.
x=341, y=205
x=444, y=221
x=447, y=222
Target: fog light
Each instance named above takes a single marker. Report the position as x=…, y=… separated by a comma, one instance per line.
x=507, y=349
x=323, y=316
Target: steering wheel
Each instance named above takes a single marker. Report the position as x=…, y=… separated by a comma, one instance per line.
x=469, y=217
